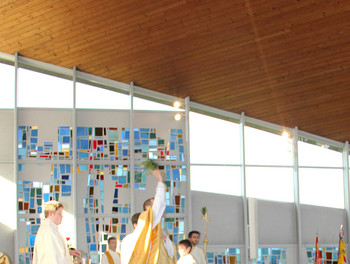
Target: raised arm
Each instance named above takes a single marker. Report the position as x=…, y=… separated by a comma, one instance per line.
x=159, y=198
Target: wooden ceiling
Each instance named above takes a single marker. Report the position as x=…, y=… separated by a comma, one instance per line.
x=282, y=61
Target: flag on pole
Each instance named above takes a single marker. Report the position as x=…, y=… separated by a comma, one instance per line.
x=318, y=253
x=342, y=248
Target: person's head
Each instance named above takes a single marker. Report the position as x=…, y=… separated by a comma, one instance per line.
x=54, y=211
x=148, y=203
x=112, y=243
x=193, y=236
x=134, y=219
x=184, y=247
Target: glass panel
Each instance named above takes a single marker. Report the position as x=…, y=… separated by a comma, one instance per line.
x=143, y=104
x=216, y=179
x=213, y=141
x=270, y=183
x=36, y=89
x=7, y=86
x=264, y=148
x=322, y=187
x=92, y=97
x=312, y=155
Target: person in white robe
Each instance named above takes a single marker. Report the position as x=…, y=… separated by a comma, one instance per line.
x=158, y=206
x=196, y=251
x=184, y=248
x=111, y=256
x=50, y=246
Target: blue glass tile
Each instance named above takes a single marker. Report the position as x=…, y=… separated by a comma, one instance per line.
x=64, y=132
x=176, y=174
x=31, y=240
x=93, y=247
x=66, y=188
x=34, y=229
x=181, y=149
x=31, y=203
x=83, y=144
x=170, y=209
x=82, y=131
x=104, y=247
x=26, y=197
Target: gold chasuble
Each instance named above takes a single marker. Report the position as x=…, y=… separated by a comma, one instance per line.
x=164, y=258
x=147, y=247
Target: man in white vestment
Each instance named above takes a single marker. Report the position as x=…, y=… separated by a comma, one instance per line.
x=111, y=256
x=129, y=246
x=50, y=246
x=196, y=251
x=129, y=241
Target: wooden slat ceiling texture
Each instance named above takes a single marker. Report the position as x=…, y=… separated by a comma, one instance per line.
x=281, y=61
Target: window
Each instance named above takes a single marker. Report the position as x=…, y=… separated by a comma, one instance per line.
x=213, y=141
x=313, y=155
x=41, y=90
x=7, y=86
x=216, y=179
x=323, y=187
x=270, y=183
x=92, y=97
x=264, y=148
x=143, y=104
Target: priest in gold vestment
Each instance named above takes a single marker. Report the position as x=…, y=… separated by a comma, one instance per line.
x=146, y=244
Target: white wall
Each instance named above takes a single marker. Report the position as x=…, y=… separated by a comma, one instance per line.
x=7, y=182
x=277, y=224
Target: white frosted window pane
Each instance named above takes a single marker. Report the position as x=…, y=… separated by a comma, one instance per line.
x=270, y=183
x=36, y=89
x=143, y=104
x=322, y=187
x=92, y=97
x=312, y=155
x=7, y=86
x=264, y=148
x=216, y=179
x=213, y=141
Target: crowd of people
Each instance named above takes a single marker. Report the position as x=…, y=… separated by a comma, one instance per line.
x=147, y=244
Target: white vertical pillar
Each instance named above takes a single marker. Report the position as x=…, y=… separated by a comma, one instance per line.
x=74, y=157
x=244, y=188
x=132, y=151
x=296, y=191
x=346, y=187
x=15, y=158
x=188, y=211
